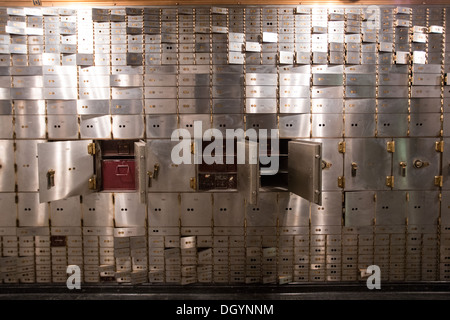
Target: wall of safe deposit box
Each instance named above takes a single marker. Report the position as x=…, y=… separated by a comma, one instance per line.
x=139, y=73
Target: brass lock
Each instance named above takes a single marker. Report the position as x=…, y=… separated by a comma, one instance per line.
x=420, y=164
x=153, y=175
x=326, y=165
x=50, y=178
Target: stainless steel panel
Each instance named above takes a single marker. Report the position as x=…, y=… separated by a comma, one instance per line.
x=227, y=91
x=124, y=80
x=7, y=176
x=393, y=105
x=161, y=126
x=65, y=93
x=327, y=105
x=329, y=213
x=392, y=125
x=446, y=165
x=294, y=126
x=359, y=208
x=288, y=105
x=359, y=125
x=31, y=213
x=366, y=164
x=98, y=210
x=305, y=182
x=158, y=106
x=327, y=91
x=156, y=80
x=25, y=107
x=229, y=121
x=425, y=105
x=126, y=106
x=227, y=105
x=60, y=81
x=9, y=216
x=390, y=208
x=327, y=125
x=30, y=127
x=95, y=127
x=261, y=121
x=294, y=79
x=126, y=93
x=62, y=126
x=159, y=152
x=196, y=210
x=294, y=91
x=292, y=210
x=160, y=92
x=415, y=164
x=187, y=121
x=72, y=174
x=66, y=213
x=423, y=208
x=264, y=213
x=93, y=106
x=27, y=165
x=128, y=211
x=163, y=210
x=360, y=106
x=193, y=92
x=256, y=105
x=332, y=163
x=424, y=124
x=127, y=126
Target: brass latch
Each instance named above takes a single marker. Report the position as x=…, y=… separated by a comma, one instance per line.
x=390, y=181
x=438, y=181
x=91, y=148
x=341, y=182
x=93, y=183
x=390, y=146
x=354, y=168
x=439, y=146
x=50, y=178
x=341, y=147
x=420, y=164
x=193, y=183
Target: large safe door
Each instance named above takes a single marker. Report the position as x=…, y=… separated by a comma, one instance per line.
x=248, y=172
x=65, y=169
x=305, y=170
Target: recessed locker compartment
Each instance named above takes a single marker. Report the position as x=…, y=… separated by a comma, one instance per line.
x=392, y=125
x=415, y=164
x=367, y=163
x=62, y=126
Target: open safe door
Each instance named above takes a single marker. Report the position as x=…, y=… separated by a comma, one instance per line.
x=66, y=169
x=305, y=170
x=140, y=149
x=248, y=172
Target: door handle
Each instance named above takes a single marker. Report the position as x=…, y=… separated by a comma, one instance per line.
x=420, y=164
x=153, y=175
x=354, y=168
x=150, y=176
x=403, y=168
x=50, y=178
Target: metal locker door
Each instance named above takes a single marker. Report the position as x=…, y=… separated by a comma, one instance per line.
x=295, y=126
x=97, y=209
x=359, y=208
x=327, y=125
x=62, y=126
x=367, y=163
x=8, y=218
x=95, y=127
x=65, y=169
x=390, y=208
x=392, y=125
x=425, y=125
x=223, y=122
x=30, y=127
x=128, y=211
x=423, y=207
x=329, y=213
x=161, y=126
x=6, y=127
x=196, y=210
x=360, y=125
x=248, y=180
x=446, y=164
x=127, y=126
x=163, y=210
x=332, y=163
x=415, y=164
x=293, y=211
x=166, y=175
x=65, y=212
x=7, y=177
x=228, y=210
x=305, y=171
x=263, y=214
x=445, y=208
x=27, y=165
x=31, y=213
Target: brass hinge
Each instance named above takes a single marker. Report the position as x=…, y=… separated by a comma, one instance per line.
x=439, y=146
x=91, y=148
x=341, y=147
x=93, y=183
x=193, y=183
x=193, y=147
x=341, y=182
x=446, y=82
x=438, y=181
x=390, y=146
x=390, y=181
